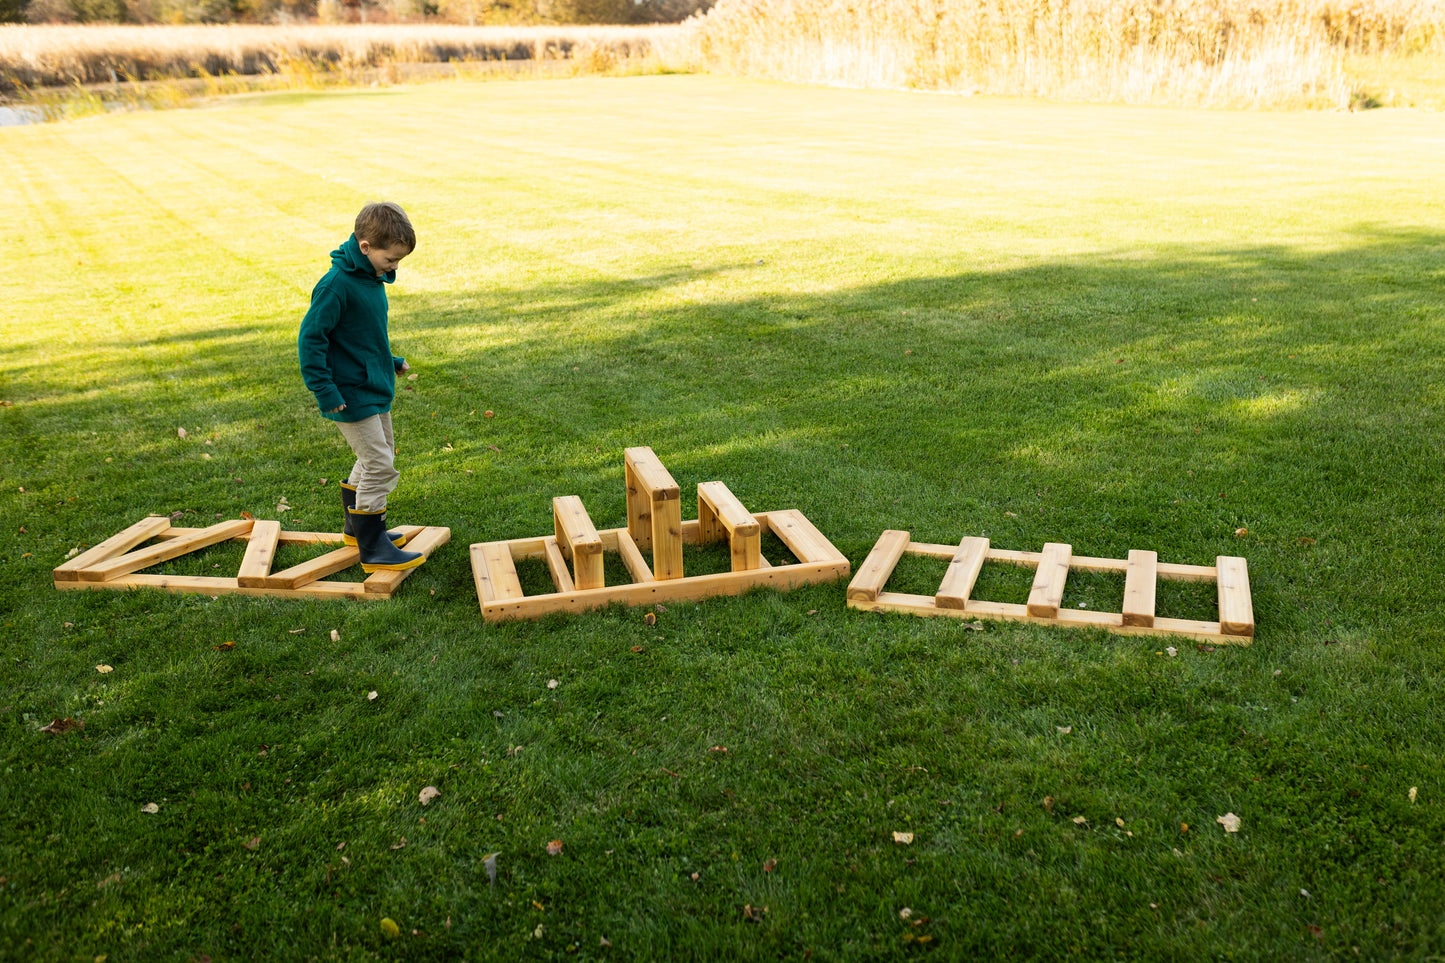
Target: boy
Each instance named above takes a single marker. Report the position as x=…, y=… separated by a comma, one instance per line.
x=347, y=363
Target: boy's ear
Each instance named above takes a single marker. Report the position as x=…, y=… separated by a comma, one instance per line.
x=365, y=247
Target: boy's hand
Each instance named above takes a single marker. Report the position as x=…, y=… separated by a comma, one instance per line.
x=336, y=409
x=404, y=367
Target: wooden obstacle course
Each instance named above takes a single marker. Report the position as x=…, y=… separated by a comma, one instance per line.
x=655, y=524
x=1141, y=570
x=117, y=563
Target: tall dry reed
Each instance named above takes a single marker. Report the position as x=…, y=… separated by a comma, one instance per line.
x=41, y=56
x=1196, y=52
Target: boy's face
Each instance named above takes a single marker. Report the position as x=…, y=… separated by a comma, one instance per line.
x=384, y=259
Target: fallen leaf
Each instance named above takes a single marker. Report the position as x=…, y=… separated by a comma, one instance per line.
x=112, y=878
x=1048, y=803
x=412, y=376
x=1413, y=791
x=389, y=929
x=1118, y=822
x=283, y=507
x=1064, y=730
x=488, y=413
x=252, y=843
x=554, y=847
x=427, y=794
x=637, y=648
x=770, y=864
x=181, y=433
x=1205, y=648
x=335, y=636
x=904, y=913
x=151, y=808
x=650, y=618
x=295, y=631
x=494, y=448
x=1304, y=540
x=552, y=683
x=725, y=749
x=58, y=726
x=399, y=844
x=974, y=626
x=537, y=933
x=1184, y=827
x=490, y=865
x=371, y=696
x=248, y=516
x=903, y=839
x=753, y=914
x=1229, y=821
x=224, y=646
x=104, y=669
x=1080, y=820
x=1241, y=532
x=603, y=941
x=1172, y=651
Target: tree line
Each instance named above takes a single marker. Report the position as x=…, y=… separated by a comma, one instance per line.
x=477, y=12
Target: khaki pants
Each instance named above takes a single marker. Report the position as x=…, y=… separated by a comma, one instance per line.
x=374, y=476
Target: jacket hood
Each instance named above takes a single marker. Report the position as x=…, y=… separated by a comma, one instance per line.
x=348, y=257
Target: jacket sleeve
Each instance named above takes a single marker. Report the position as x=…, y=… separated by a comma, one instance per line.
x=396, y=362
x=312, y=344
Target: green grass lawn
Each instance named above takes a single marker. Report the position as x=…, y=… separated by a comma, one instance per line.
x=1113, y=327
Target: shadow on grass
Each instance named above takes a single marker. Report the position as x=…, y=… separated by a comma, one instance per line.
x=1121, y=401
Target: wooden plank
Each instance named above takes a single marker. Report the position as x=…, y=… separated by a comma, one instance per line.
x=260, y=553
x=146, y=528
x=312, y=570
x=801, y=537
x=709, y=527
x=632, y=557
x=155, y=554
x=1140, y=584
x=962, y=572
x=782, y=577
x=425, y=540
x=1236, y=608
x=212, y=585
x=557, y=565
x=639, y=508
x=654, y=479
x=495, y=572
x=287, y=538
x=1048, y=588
x=666, y=539
x=873, y=574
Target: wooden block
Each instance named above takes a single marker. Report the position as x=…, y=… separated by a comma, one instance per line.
x=578, y=540
x=1141, y=580
x=142, y=530
x=1048, y=588
x=494, y=572
x=709, y=526
x=878, y=566
x=962, y=573
x=155, y=554
x=424, y=540
x=260, y=553
x=666, y=539
x=648, y=484
x=1236, y=609
x=722, y=508
x=557, y=565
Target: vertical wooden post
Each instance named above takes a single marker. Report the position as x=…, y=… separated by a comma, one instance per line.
x=654, y=511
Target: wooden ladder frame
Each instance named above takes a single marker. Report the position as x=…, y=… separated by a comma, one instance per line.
x=1141, y=571
x=116, y=563
x=574, y=552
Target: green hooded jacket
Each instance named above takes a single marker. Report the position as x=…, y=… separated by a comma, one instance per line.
x=345, y=354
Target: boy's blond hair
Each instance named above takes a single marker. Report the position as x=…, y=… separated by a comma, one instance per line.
x=385, y=224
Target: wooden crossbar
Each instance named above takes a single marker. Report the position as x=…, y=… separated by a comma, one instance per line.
x=654, y=521
x=1142, y=571
x=117, y=562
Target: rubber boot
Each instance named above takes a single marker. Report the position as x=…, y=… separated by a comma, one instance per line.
x=348, y=502
x=377, y=552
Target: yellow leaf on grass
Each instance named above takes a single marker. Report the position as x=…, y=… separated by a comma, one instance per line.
x=1229, y=821
x=104, y=669
x=554, y=847
x=151, y=808
x=427, y=794
x=903, y=839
